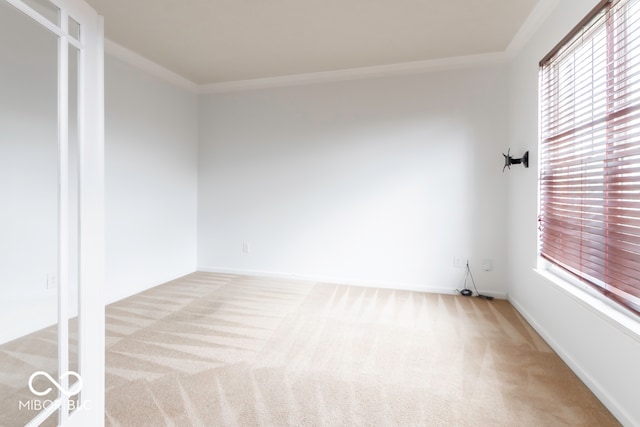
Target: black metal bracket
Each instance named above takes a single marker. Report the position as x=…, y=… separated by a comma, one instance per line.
x=508, y=160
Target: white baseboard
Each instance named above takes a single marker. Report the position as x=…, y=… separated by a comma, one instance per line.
x=605, y=397
x=403, y=286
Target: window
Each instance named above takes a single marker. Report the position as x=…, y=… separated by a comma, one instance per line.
x=590, y=152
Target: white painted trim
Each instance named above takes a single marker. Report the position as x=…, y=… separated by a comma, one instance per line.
x=30, y=12
x=617, y=316
x=135, y=59
x=91, y=329
x=603, y=395
x=534, y=21
x=63, y=211
x=416, y=67
x=401, y=286
x=45, y=413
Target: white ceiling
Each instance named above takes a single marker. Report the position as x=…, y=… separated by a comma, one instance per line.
x=216, y=41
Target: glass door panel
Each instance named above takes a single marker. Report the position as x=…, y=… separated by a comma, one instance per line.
x=29, y=216
x=74, y=220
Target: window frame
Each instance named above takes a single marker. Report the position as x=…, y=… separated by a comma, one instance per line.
x=550, y=270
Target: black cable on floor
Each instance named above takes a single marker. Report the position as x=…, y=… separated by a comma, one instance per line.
x=467, y=292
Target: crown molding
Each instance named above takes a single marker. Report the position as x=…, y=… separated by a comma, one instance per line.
x=136, y=60
x=534, y=21
x=536, y=18
x=416, y=67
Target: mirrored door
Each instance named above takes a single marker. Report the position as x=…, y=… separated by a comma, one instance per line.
x=51, y=224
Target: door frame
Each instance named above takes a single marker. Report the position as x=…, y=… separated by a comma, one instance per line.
x=91, y=243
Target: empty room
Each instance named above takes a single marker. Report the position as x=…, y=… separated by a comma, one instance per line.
x=319, y=213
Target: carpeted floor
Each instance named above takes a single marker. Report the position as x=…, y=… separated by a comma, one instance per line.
x=222, y=350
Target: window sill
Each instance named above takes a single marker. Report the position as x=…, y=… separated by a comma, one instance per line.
x=619, y=317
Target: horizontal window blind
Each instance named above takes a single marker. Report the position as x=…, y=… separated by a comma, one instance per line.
x=590, y=152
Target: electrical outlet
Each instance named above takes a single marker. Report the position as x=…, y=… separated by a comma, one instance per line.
x=52, y=281
x=459, y=262
x=246, y=248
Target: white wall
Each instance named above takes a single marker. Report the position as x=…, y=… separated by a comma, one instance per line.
x=151, y=180
x=378, y=181
x=603, y=355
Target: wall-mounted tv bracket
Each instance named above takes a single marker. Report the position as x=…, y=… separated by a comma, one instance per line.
x=508, y=160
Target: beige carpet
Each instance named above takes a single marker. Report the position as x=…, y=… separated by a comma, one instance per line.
x=222, y=350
